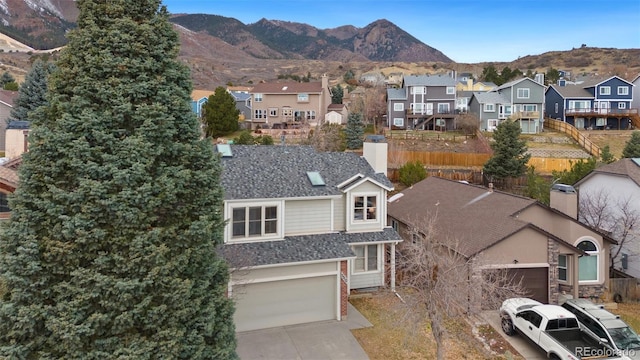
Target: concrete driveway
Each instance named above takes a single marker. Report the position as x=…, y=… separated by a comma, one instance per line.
x=321, y=340
x=528, y=350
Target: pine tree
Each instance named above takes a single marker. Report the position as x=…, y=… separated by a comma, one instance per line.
x=219, y=114
x=510, y=156
x=110, y=251
x=632, y=147
x=354, y=131
x=336, y=94
x=32, y=93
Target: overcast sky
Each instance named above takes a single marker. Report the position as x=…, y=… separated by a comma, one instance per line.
x=466, y=31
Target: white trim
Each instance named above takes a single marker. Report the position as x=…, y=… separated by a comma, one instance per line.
x=228, y=216
x=599, y=264
x=351, y=179
x=310, y=262
x=367, y=179
x=283, y=277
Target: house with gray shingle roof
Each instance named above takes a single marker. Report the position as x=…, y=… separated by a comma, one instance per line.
x=594, y=104
x=547, y=247
x=520, y=100
x=289, y=104
x=613, y=191
x=424, y=102
x=304, y=228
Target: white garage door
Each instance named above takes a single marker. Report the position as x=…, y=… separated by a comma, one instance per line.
x=286, y=302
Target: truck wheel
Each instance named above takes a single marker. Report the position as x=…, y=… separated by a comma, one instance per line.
x=507, y=326
x=554, y=357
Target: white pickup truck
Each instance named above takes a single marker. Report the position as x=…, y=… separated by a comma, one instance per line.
x=554, y=329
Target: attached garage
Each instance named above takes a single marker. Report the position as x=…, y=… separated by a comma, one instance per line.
x=265, y=303
x=534, y=280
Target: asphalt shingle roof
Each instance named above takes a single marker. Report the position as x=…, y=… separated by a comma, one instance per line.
x=572, y=91
x=624, y=167
x=273, y=171
x=471, y=214
x=490, y=98
x=287, y=88
x=397, y=94
x=429, y=80
x=302, y=248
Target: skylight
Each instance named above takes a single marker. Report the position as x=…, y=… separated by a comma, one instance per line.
x=315, y=178
x=636, y=160
x=224, y=150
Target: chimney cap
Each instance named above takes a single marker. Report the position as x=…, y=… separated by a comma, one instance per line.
x=563, y=188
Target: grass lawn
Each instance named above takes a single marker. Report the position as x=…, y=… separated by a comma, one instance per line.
x=395, y=336
x=630, y=313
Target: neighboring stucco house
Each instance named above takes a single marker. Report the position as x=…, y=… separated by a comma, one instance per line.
x=470, y=85
x=519, y=100
x=304, y=228
x=544, y=246
x=425, y=102
x=596, y=104
x=289, y=104
x=15, y=139
x=613, y=190
x=6, y=105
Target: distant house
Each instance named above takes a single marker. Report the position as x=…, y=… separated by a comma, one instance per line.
x=199, y=98
x=304, y=229
x=470, y=85
x=372, y=78
x=394, y=79
x=617, y=185
x=243, y=103
x=520, y=100
x=424, y=102
x=16, y=136
x=8, y=184
x=289, y=104
x=635, y=102
x=546, y=247
x=6, y=105
x=596, y=104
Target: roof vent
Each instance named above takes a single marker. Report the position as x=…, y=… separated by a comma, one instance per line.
x=563, y=188
x=284, y=88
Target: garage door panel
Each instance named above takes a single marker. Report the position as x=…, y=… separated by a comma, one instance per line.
x=535, y=282
x=286, y=302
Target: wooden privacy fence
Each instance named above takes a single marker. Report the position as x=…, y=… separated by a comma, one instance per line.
x=470, y=160
x=626, y=289
x=575, y=134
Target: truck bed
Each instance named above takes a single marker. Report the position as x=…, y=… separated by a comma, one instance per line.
x=575, y=339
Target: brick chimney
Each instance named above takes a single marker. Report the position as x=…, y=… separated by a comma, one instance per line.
x=564, y=198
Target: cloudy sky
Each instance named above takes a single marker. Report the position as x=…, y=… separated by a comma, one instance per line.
x=467, y=31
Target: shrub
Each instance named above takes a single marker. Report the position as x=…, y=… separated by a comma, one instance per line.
x=412, y=172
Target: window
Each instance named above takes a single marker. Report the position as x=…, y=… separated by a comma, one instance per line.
x=311, y=114
x=451, y=90
x=588, y=265
x=398, y=122
x=303, y=97
x=257, y=97
x=529, y=107
x=364, y=208
x=579, y=104
x=273, y=112
x=562, y=267
x=4, y=204
x=398, y=107
x=394, y=224
x=260, y=114
x=417, y=106
x=623, y=90
x=366, y=258
x=418, y=90
x=555, y=108
x=622, y=105
x=605, y=90
x=523, y=93
x=287, y=112
x=254, y=221
x=443, y=108
x=489, y=108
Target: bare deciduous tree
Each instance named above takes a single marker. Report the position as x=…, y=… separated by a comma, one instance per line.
x=447, y=284
x=619, y=217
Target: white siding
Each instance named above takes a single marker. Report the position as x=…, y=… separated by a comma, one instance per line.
x=307, y=216
x=339, y=211
x=262, y=274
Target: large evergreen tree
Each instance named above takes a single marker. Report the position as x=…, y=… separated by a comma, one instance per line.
x=354, y=131
x=111, y=248
x=219, y=114
x=337, y=93
x=510, y=156
x=32, y=93
x=632, y=147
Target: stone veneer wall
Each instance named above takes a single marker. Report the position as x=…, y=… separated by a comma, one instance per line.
x=552, y=255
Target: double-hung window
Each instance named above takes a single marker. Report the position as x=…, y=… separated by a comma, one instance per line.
x=623, y=90
x=562, y=267
x=254, y=221
x=605, y=90
x=302, y=97
x=257, y=97
x=523, y=93
x=489, y=108
x=365, y=208
x=273, y=112
x=366, y=258
x=398, y=107
x=260, y=114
